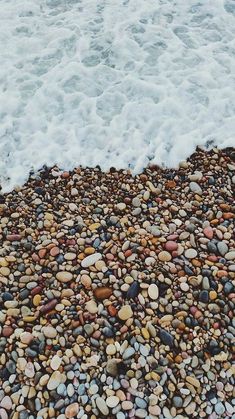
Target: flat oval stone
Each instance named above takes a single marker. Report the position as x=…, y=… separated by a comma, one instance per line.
x=208, y=231
x=164, y=256
x=166, y=338
x=72, y=410
x=153, y=291
x=171, y=245
x=54, y=380
x=91, y=260
x=190, y=253
x=112, y=401
x=133, y=291
x=55, y=362
x=230, y=255
x=64, y=276
x=49, y=332
x=125, y=312
x=102, y=406
x=102, y=293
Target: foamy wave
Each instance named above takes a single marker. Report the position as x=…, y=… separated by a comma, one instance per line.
x=114, y=83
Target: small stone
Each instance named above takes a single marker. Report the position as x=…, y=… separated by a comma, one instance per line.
x=208, y=231
x=190, y=253
x=164, y=256
x=6, y=403
x=195, y=188
x=177, y=401
x=121, y=206
x=64, y=276
x=204, y=296
x=133, y=291
x=91, y=260
x=190, y=409
x=37, y=300
x=166, y=338
x=26, y=337
x=54, y=380
x=222, y=248
x=29, y=370
x=112, y=367
x=102, y=293
x=49, y=332
x=112, y=401
x=3, y=414
x=86, y=281
x=91, y=306
x=102, y=406
x=55, y=362
x=153, y=291
x=72, y=410
x=171, y=246
x=230, y=255
x=125, y=313
x=194, y=381
x=136, y=202
x=111, y=349
x=128, y=353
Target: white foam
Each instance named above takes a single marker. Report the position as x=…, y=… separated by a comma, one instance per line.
x=113, y=82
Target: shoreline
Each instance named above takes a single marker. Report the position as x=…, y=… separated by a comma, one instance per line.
x=117, y=292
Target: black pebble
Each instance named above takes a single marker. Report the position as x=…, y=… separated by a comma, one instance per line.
x=133, y=290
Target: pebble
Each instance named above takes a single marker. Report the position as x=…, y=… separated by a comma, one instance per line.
x=91, y=260
x=55, y=362
x=195, y=188
x=133, y=291
x=102, y=406
x=112, y=401
x=164, y=256
x=125, y=313
x=49, y=332
x=166, y=338
x=6, y=403
x=72, y=410
x=64, y=276
x=153, y=291
x=190, y=253
x=54, y=380
x=230, y=255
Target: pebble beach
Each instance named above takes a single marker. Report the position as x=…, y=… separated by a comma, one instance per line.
x=117, y=292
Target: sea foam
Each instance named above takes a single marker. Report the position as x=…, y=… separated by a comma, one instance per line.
x=113, y=82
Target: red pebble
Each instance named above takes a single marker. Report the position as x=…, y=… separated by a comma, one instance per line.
x=49, y=306
x=13, y=237
x=172, y=237
x=212, y=258
x=7, y=331
x=36, y=290
x=171, y=245
x=112, y=310
x=54, y=251
x=208, y=232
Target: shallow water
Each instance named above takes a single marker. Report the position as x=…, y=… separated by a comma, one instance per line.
x=114, y=83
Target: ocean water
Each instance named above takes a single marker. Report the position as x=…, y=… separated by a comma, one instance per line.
x=113, y=82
